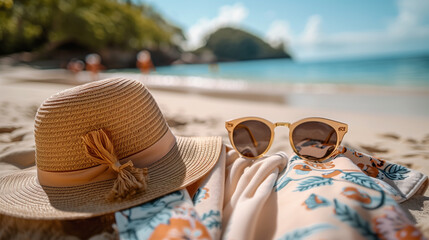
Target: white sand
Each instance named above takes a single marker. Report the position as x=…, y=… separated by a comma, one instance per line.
x=389, y=123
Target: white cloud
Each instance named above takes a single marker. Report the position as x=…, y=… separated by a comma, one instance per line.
x=413, y=18
x=409, y=31
x=278, y=32
x=312, y=32
x=229, y=15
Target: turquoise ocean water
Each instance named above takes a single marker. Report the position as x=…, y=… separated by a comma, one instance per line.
x=392, y=71
x=406, y=80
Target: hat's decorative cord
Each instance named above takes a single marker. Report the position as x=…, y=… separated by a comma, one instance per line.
x=130, y=180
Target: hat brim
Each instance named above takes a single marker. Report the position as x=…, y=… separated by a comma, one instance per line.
x=21, y=195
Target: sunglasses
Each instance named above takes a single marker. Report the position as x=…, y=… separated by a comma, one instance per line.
x=310, y=138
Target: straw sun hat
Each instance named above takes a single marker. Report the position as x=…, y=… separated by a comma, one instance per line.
x=102, y=147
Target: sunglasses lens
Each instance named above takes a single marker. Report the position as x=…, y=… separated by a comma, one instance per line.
x=251, y=138
x=314, y=140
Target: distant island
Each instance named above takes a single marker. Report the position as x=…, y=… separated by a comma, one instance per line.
x=231, y=44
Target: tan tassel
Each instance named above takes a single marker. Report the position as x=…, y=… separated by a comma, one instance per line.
x=130, y=180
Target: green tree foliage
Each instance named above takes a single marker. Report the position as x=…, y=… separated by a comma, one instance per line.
x=27, y=25
x=230, y=44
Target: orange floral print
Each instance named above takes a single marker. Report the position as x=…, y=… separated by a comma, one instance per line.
x=354, y=193
x=358, y=154
x=206, y=195
x=395, y=225
x=409, y=233
x=332, y=174
x=179, y=229
x=302, y=167
x=369, y=170
x=320, y=165
x=372, y=171
x=314, y=201
x=376, y=162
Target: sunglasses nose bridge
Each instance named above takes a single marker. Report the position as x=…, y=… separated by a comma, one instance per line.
x=283, y=124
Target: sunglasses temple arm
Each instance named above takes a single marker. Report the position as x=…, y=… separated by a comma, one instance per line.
x=255, y=143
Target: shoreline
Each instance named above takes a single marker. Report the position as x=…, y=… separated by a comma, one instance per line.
x=60, y=75
x=371, y=99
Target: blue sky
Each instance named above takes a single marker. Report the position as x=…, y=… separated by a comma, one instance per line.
x=312, y=29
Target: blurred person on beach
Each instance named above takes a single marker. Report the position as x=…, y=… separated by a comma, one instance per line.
x=144, y=62
x=214, y=67
x=93, y=64
x=75, y=66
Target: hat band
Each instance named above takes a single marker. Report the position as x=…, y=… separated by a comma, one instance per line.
x=104, y=172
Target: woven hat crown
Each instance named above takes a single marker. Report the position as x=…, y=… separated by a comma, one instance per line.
x=124, y=108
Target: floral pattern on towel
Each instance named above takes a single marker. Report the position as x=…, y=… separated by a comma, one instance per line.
x=212, y=219
x=302, y=233
x=347, y=191
x=315, y=201
x=184, y=224
x=169, y=217
x=375, y=167
x=389, y=226
x=202, y=193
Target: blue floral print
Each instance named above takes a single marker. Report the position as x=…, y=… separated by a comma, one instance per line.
x=212, y=219
x=302, y=233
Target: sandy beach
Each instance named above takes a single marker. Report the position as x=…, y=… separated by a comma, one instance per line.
x=389, y=123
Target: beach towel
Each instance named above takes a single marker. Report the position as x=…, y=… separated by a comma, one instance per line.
x=349, y=196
